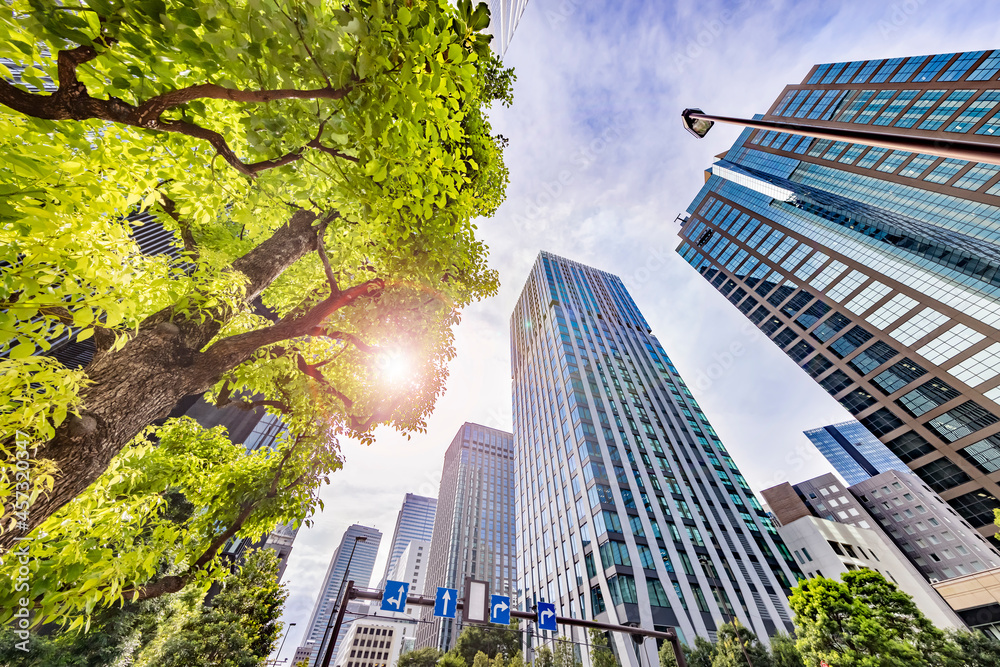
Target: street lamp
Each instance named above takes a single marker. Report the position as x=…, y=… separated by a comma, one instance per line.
x=347, y=570
x=699, y=123
x=722, y=606
x=282, y=645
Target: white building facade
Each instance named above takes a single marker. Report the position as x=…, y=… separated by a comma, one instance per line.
x=828, y=549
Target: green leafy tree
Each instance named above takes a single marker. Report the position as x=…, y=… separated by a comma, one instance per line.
x=452, y=659
x=834, y=625
x=783, y=651
x=481, y=660
x=421, y=657
x=736, y=645
x=516, y=660
x=895, y=611
x=115, y=637
x=601, y=654
x=974, y=649
x=322, y=163
x=666, y=655
x=701, y=654
x=543, y=657
x=490, y=640
x=238, y=628
x=563, y=654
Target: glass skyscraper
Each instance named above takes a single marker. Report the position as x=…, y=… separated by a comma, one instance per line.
x=853, y=451
x=629, y=507
x=877, y=271
x=414, y=522
x=361, y=565
x=473, y=526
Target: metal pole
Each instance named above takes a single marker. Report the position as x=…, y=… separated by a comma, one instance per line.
x=957, y=149
x=678, y=652
x=336, y=626
x=347, y=572
x=287, y=630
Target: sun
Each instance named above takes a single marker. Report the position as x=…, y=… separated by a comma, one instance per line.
x=396, y=367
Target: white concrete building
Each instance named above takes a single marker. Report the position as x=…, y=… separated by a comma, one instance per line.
x=375, y=642
x=828, y=549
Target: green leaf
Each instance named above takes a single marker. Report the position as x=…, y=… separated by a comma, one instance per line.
x=189, y=17
x=22, y=350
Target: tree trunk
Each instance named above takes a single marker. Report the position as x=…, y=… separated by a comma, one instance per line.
x=163, y=363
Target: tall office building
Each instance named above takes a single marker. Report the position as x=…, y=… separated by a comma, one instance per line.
x=877, y=271
x=474, y=525
x=629, y=508
x=353, y=560
x=853, y=451
x=504, y=15
x=415, y=521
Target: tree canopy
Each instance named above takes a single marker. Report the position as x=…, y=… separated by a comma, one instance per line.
x=490, y=640
x=427, y=656
x=600, y=652
x=864, y=621
x=322, y=164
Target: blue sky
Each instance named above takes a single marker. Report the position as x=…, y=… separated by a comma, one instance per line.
x=600, y=167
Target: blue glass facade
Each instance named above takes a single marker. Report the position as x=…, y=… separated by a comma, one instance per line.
x=876, y=271
x=854, y=452
x=629, y=506
x=414, y=522
x=473, y=525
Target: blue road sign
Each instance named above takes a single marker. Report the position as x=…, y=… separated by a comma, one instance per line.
x=444, y=603
x=394, y=596
x=500, y=609
x=547, y=616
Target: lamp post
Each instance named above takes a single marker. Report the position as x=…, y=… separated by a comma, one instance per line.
x=347, y=570
x=282, y=645
x=699, y=123
x=722, y=606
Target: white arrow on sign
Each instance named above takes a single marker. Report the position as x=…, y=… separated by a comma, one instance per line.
x=502, y=606
x=546, y=613
x=397, y=601
x=446, y=597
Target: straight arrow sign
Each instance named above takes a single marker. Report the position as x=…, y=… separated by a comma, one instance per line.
x=444, y=602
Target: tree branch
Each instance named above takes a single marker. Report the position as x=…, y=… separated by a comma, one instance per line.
x=321, y=249
x=379, y=415
x=320, y=332
x=174, y=583
x=170, y=208
x=71, y=101
x=154, y=107
x=225, y=351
